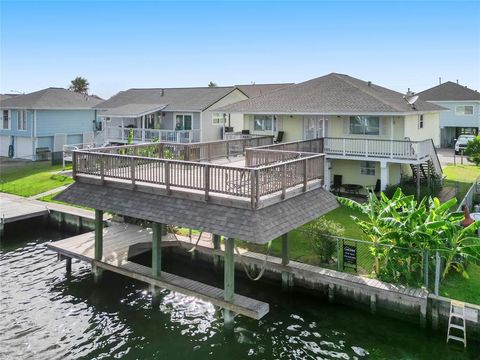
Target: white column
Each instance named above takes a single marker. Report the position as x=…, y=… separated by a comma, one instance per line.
x=384, y=174
x=143, y=128
x=327, y=171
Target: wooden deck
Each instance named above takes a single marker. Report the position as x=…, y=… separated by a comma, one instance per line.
x=118, y=239
x=15, y=208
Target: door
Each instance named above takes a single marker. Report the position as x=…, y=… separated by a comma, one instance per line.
x=23, y=148
x=4, y=144
x=314, y=127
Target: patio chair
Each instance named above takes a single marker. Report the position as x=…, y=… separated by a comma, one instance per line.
x=279, y=137
x=374, y=189
x=245, y=132
x=337, y=184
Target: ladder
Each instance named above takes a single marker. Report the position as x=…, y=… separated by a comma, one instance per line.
x=457, y=311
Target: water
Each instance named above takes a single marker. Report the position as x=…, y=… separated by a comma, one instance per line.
x=46, y=315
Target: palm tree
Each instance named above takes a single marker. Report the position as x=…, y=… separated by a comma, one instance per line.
x=212, y=84
x=79, y=85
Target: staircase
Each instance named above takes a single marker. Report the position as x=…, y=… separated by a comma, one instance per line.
x=433, y=163
x=456, y=321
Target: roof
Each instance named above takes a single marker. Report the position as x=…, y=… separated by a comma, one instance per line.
x=254, y=90
x=253, y=225
x=51, y=98
x=6, y=96
x=133, y=110
x=334, y=94
x=449, y=91
x=173, y=99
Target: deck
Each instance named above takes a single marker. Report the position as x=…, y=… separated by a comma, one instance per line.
x=118, y=239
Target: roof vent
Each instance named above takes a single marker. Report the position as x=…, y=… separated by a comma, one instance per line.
x=369, y=84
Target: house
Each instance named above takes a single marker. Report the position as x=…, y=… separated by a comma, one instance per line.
x=370, y=132
x=173, y=114
x=463, y=115
x=36, y=124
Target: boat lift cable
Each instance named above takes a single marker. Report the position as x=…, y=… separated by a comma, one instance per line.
x=264, y=266
x=190, y=236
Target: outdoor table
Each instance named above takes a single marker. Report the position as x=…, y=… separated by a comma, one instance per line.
x=353, y=189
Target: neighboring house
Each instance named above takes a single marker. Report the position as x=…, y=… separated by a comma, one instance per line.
x=370, y=133
x=36, y=124
x=463, y=116
x=173, y=114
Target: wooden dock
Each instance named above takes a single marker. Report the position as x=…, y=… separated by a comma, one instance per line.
x=118, y=239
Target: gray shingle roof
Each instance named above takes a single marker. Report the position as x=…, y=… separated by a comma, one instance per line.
x=330, y=94
x=255, y=90
x=51, y=98
x=133, y=110
x=176, y=99
x=258, y=226
x=449, y=91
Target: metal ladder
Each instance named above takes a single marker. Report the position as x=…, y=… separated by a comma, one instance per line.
x=457, y=311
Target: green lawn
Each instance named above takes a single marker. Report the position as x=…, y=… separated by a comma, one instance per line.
x=461, y=177
x=457, y=287
x=28, y=179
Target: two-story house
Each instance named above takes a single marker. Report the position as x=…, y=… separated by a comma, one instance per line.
x=463, y=115
x=370, y=132
x=173, y=114
x=44, y=121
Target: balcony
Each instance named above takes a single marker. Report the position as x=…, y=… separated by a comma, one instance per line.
x=121, y=134
x=229, y=171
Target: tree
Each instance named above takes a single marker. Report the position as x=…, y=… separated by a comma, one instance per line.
x=212, y=84
x=79, y=85
x=473, y=151
x=402, y=229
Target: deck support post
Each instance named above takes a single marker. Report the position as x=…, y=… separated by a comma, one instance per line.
x=287, y=277
x=229, y=280
x=331, y=293
x=97, y=272
x=418, y=181
x=156, y=259
x=68, y=265
x=216, y=246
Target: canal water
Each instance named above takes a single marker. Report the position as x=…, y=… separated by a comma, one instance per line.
x=44, y=314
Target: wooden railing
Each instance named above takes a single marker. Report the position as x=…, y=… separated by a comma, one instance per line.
x=312, y=146
x=252, y=183
x=118, y=133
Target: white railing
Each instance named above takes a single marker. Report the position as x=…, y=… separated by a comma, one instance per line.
x=121, y=134
x=69, y=149
x=392, y=149
x=239, y=135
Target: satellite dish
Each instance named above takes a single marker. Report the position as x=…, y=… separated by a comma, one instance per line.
x=411, y=99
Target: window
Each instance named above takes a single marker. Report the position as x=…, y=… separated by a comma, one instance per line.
x=6, y=120
x=21, y=120
x=367, y=168
x=183, y=122
x=365, y=125
x=420, y=121
x=464, y=110
x=218, y=118
x=263, y=122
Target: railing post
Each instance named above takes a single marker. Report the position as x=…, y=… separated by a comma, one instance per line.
x=228, y=149
x=207, y=181
x=167, y=176
x=74, y=165
x=284, y=181
x=344, y=145
x=132, y=171
x=257, y=188
x=391, y=149
x=305, y=177
x=208, y=151
x=426, y=259
x=366, y=147
x=102, y=170
x=187, y=152
x=438, y=265
x=252, y=188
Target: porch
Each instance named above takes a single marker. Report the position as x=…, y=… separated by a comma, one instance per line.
x=120, y=134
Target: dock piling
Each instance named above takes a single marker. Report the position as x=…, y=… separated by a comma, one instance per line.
x=156, y=260
x=229, y=280
x=287, y=277
x=216, y=246
x=97, y=272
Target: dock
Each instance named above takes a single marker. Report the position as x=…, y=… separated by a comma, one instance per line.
x=118, y=240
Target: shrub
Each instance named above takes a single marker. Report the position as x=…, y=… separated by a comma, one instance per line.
x=321, y=231
x=473, y=151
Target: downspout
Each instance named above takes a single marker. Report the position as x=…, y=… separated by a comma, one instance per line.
x=34, y=135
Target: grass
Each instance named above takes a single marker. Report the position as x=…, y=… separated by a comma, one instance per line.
x=299, y=245
x=457, y=287
x=461, y=177
x=28, y=179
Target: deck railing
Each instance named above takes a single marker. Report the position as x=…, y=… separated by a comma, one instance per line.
x=358, y=147
x=118, y=133
x=208, y=179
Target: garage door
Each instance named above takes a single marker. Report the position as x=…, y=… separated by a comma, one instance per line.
x=23, y=148
x=4, y=143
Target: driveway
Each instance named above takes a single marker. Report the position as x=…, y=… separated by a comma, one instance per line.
x=447, y=157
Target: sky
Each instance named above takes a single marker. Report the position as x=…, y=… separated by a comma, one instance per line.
x=118, y=45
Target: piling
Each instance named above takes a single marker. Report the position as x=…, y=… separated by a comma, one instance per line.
x=229, y=280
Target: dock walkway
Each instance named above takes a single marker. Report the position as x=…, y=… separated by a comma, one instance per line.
x=117, y=241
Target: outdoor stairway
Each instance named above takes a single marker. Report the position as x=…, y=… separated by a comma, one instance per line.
x=423, y=170
x=457, y=311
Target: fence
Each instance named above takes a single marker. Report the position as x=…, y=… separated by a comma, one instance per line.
x=398, y=265
x=469, y=198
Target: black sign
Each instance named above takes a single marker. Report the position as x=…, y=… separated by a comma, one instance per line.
x=350, y=256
